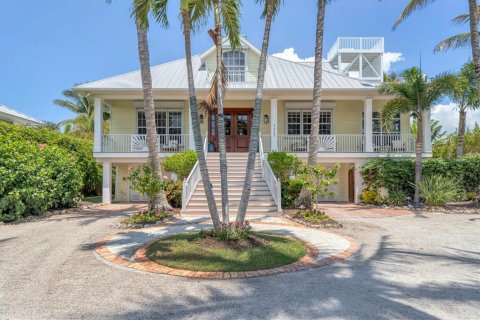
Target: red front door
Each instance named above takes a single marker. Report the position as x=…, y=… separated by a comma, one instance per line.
x=237, y=129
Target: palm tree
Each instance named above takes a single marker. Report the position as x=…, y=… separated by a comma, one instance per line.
x=83, y=105
x=465, y=95
x=142, y=24
x=271, y=8
x=473, y=18
x=414, y=94
x=460, y=40
x=317, y=84
x=229, y=11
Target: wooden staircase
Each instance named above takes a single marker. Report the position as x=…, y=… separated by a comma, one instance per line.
x=261, y=200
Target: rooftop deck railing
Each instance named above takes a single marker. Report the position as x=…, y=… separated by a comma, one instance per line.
x=364, y=44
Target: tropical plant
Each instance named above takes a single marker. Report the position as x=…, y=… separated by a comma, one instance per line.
x=437, y=190
x=270, y=10
x=284, y=165
x=317, y=84
x=457, y=41
x=435, y=128
x=414, y=5
x=465, y=95
x=414, y=94
x=180, y=163
x=447, y=147
x=140, y=12
x=318, y=179
x=144, y=181
x=397, y=198
x=81, y=104
x=369, y=196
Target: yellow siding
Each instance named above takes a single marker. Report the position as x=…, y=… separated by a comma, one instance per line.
x=343, y=181
x=123, y=117
x=347, y=117
x=121, y=193
x=281, y=117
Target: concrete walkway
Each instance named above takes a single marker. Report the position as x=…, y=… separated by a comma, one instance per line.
x=408, y=267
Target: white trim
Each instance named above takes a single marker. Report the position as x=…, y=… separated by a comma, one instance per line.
x=273, y=124
x=296, y=109
x=309, y=104
x=97, y=125
x=107, y=182
x=367, y=124
x=167, y=111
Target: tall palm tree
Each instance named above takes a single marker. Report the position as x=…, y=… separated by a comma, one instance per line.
x=229, y=11
x=465, y=96
x=142, y=24
x=271, y=8
x=435, y=127
x=414, y=94
x=317, y=84
x=414, y=5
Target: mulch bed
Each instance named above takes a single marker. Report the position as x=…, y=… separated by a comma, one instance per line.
x=326, y=224
x=250, y=242
x=464, y=207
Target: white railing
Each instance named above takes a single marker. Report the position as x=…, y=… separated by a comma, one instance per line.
x=346, y=44
x=393, y=142
x=193, y=178
x=138, y=142
x=267, y=174
x=326, y=143
x=350, y=142
x=238, y=76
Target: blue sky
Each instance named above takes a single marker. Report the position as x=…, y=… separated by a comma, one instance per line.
x=48, y=46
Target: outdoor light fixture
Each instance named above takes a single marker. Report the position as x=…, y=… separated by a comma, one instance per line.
x=201, y=118
x=266, y=119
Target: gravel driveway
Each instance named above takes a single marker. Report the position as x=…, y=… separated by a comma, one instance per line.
x=409, y=267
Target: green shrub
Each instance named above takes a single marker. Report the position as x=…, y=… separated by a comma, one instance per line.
x=290, y=191
x=371, y=197
x=144, y=180
x=232, y=231
x=437, y=190
x=173, y=191
x=394, y=174
x=80, y=150
x=146, y=217
x=35, y=178
x=397, y=198
x=284, y=165
x=471, y=196
x=180, y=163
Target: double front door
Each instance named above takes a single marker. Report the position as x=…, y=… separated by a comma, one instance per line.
x=238, y=123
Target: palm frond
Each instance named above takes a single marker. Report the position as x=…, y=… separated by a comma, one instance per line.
x=230, y=11
x=276, y=6
x=411, y=7
x=199, y=12
x=141, y=9
x=461, y=40
x=463, y=18
x=210, y=102
x=392, y=109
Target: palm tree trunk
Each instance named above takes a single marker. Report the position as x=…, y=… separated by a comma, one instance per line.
x=153, y=151
x=317, y=85
x=472, y=6
x=418, y=158
x=222, y=146
x=461, y=132
x=257, y=111
x=196, y=125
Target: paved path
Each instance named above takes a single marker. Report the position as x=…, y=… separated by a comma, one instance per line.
x=409, y=267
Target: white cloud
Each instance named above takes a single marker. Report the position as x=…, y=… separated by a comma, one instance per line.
x=448, y=117
x=390, y=58
x=290, y=54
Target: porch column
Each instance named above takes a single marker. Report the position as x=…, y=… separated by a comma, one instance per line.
x=273, y=125
x=107, y=183
x=367, y=124
x=191, y=139
x=427, y=132
x=97, y=125
x=358, y=181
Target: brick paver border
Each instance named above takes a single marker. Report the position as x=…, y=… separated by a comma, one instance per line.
x=143, y=263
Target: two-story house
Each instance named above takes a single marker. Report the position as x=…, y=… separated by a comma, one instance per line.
x=350, y=128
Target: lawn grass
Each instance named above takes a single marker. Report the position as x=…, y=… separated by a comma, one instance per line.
x=182, y=252
x=96, y=199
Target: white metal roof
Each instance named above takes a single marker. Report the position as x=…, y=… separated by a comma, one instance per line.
x=7, y=113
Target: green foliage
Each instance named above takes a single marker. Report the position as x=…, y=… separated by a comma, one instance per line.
x=173, y=192
x=146, y=217
x=437, y=190
x=232, y=231
x=398, y=175
x=290, y=191
x=80, y=150
x=313, y=216
x=371, y=197
x=180, y=163
x=397, y=198
x=318, y=180
x=284, y=165
x=145, y=182
x=446, y=148
x=35, y=178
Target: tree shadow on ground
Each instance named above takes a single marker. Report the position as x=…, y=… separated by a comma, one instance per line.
x=371, y=285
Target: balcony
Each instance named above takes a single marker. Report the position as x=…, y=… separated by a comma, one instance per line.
x=138, y=143
x=356, y=44
x=238, y=77
x=344, y=143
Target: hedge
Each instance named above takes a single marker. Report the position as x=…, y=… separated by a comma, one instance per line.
x=81, y=151
x=399, y=174
x=35, y=178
